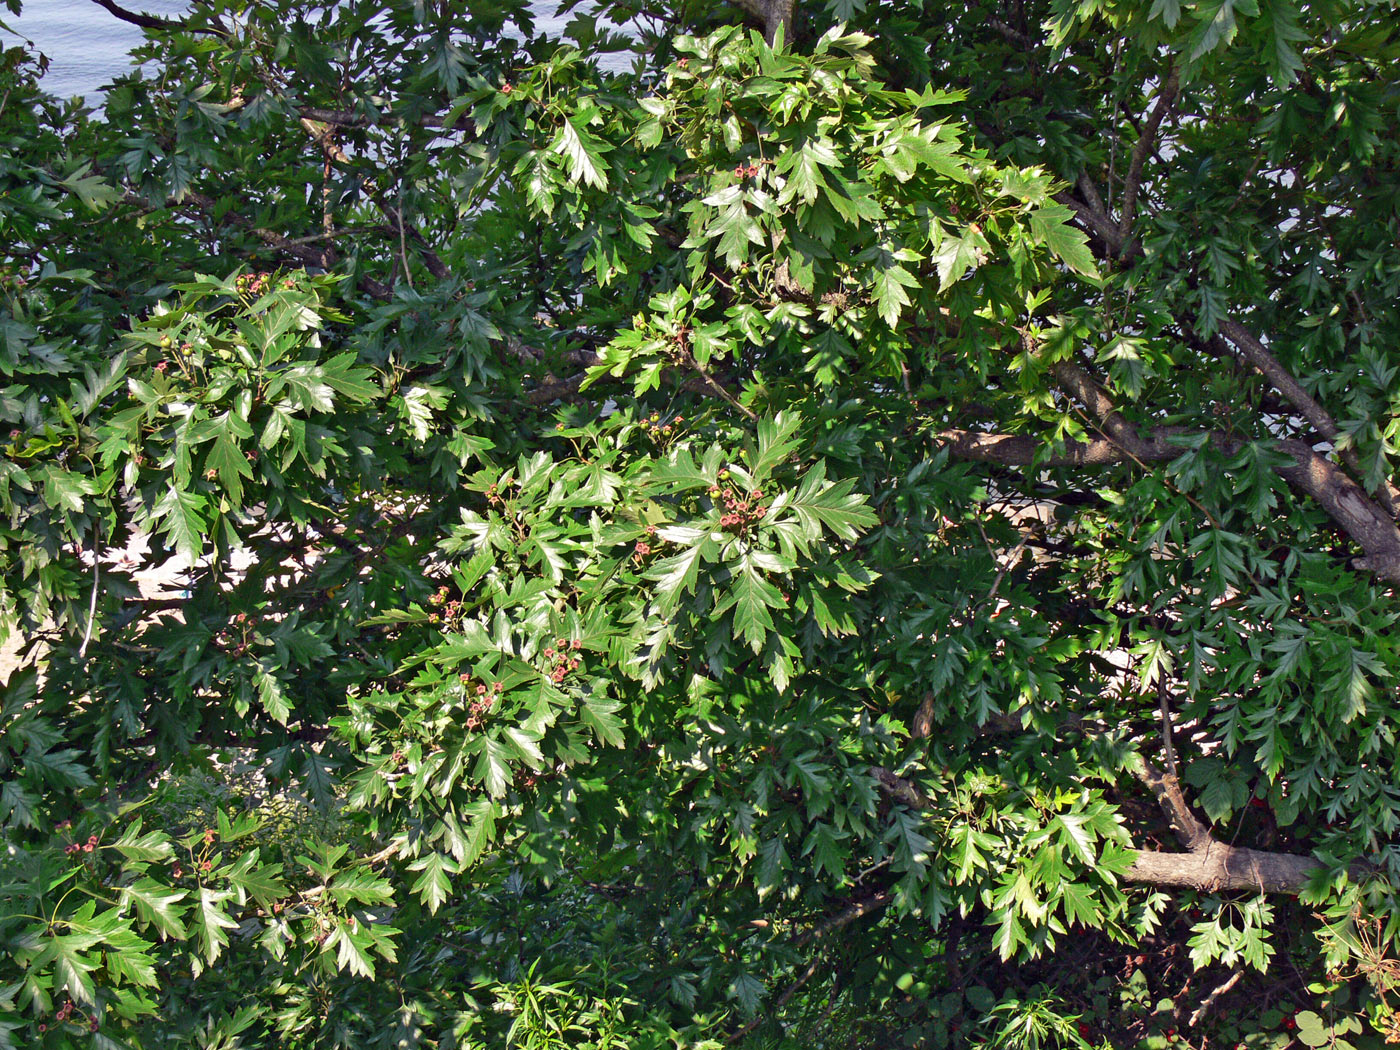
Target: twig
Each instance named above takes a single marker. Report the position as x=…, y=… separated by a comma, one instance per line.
x=1166, y=724
x=1210, y=1000
x=1011, y=560
x=92, y=602
x=403, y=240
x=846, y=916
x=793, y=988
x=719, y=389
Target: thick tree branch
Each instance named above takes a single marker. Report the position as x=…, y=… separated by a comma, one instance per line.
x=1282, y=380
x=1018, y=450
x=775, y=15
x=1209, y=865
x=1146, y=140
x=847, y=915
x=174, y=25
x=1097, y=224
x=1166, y=789
x=349, y=118
x=324, y=258
x=1344, y=501
x=1218, y=868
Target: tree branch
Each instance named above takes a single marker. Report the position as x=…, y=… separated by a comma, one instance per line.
x=847, y=915
x=1210, y=1000
x=1282, y=380
x=324, y=258
x=1344, y=501
x=775, y=15
x=1165, y=99
x=1219, y=868
x=1095, y=222
x=1166, y=789
x=174, y=25
x=1209, y=865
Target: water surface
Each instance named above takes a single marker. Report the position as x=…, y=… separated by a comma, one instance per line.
x=87, y=47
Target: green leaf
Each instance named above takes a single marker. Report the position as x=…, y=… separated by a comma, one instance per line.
x=583, y=154
x=481, y=829
x=178, y=515
x=211, y=922
x=600, y=714
x=271, y=695
x=156, y=905
x=154, y=845
x=492, y=769
x=1050, y=225
x=751, y=597
x=433, y=886
x=225, y=456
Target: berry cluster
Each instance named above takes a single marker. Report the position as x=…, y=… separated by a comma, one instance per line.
x=481, y=706
x=495, y=497
x=257, y=283
x=560, y=658
x=740, y=511
x=82, y=847
x=643, y=548
x=199, y=863
x=64, y=1014
x=451, y=609
x=234, y=639
x=657, y=430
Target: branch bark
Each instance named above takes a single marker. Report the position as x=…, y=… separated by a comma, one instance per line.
x=1344, y=501
x=1208, y=865
x=325, y=258
x=1218, y=867
x=775, y=15
x=1116, y=242
x=1282, y=380
x=1166, y=98
x=847, y=915
x=174, y=25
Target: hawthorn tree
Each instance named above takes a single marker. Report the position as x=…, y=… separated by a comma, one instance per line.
x=852, y=524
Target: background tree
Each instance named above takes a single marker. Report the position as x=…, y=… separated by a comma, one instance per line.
x=872, y=525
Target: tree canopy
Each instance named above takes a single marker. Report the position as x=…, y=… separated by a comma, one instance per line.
x=849, y=524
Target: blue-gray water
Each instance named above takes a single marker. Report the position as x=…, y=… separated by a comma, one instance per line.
x=87, y=47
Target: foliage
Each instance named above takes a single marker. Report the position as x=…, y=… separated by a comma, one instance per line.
x=870, y=527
